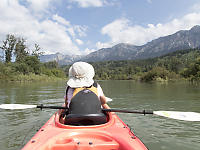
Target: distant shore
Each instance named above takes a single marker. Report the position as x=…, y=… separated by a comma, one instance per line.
x=31, y=78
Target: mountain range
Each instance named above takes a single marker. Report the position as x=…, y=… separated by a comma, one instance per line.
x=183, y=39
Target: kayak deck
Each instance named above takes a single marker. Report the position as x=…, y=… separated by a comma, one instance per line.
x=113, y=135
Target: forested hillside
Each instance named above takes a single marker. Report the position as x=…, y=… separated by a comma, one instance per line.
x=183, y=64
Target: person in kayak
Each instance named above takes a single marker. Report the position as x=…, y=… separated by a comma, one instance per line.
x=81, y=76
x=84, y=97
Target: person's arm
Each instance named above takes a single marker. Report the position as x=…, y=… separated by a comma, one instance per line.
x=103, y=102
x=66, y=91
x=102, y=97
x=66, y=103
x=68, y=95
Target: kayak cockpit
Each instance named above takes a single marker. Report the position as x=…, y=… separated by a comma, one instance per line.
x=84, y=119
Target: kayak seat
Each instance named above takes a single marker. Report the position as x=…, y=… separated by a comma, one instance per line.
x=85, y=119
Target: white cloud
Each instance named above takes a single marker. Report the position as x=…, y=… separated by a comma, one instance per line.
x=54, y=38
x=75, y=30
x=122, y=30
x=100, y=45
x=51, y=35
x=61, y=20
x=39, y=5
x=89, y=3
x=79, y=42
x=88, y=51
x=71, y=31
x=81, y=30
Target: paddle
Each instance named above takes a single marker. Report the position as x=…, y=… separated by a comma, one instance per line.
x=23, y=106
x=187, y=116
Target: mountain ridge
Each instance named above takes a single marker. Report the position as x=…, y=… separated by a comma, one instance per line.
x=183, y=39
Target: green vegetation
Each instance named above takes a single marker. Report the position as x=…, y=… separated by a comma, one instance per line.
x=183, y=64
x=27, y=66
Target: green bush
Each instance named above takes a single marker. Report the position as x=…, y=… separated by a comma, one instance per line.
x=157, y=72
x=23, y=68
x=193, y=71
x=58, y=73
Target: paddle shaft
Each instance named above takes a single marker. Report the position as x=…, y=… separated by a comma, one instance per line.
x=129, y=111
x=106, y=110
x=51, y=107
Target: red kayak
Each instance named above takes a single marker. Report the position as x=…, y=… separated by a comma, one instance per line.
x=112, y=135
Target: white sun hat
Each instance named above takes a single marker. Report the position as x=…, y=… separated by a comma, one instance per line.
x=81, y=75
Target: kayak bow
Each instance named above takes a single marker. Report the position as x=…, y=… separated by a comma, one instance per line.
x=113, y=135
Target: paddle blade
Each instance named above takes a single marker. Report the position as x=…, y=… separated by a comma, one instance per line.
x=187, y=116
x=16, y=106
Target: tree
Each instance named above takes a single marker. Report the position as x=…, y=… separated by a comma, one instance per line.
x=9, y=46
x=193, y=71
x=157, y=72
x=20, y=50
x=51, y=64
x=37, y=52
x=1, y=57
x=33, y=63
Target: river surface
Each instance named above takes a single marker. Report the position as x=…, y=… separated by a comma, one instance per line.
x=157, y=133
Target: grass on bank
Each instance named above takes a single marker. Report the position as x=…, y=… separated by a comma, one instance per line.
x=30, y=78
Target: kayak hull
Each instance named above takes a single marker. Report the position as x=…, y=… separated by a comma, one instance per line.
x=113, y=135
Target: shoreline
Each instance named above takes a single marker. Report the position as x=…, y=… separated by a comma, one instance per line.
x=31, y=78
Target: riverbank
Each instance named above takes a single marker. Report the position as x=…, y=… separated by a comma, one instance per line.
x=42, y=77
x=31, y=78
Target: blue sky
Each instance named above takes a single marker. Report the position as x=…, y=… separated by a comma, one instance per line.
x=77, y=27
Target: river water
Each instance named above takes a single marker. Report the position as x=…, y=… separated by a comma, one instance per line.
x=157, y=133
